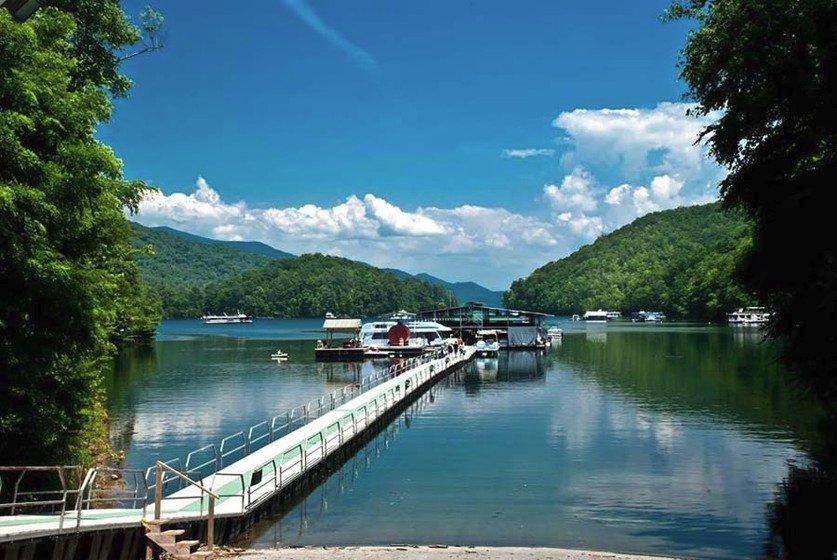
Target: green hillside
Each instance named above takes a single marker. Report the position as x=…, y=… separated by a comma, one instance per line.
x=679, y=261
x=311, y=285
x=180, y=259
x=193, y=275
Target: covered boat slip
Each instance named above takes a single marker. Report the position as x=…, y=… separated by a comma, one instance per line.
x=516, y=329
x=341, y=349
x=251, y=481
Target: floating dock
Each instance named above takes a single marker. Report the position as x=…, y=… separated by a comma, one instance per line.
x=246, y=484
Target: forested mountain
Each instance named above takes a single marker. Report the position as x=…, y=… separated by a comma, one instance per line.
x=311, y=285
x=180, y=259
x=462, y=291
x=679, y=261
x=254, y=247
x=193, y=275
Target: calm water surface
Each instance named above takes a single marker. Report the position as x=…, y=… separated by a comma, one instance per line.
x=667, y=439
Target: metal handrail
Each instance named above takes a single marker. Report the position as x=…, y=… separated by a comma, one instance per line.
x=158, y=498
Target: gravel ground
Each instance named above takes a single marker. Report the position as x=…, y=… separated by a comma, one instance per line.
x=432, y=553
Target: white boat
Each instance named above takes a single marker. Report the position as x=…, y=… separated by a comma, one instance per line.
x=748, y=317
x=330, y=315
x=599, y=316
x=554, y=333
x=225, y=319
x=488, y=344
x=612, y=315
x=648, y=317
x=576, y=317
x=374, y=336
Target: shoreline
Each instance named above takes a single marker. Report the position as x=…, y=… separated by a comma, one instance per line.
x=432, y=552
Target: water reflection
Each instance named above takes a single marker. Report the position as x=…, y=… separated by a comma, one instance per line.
x=176, y=396
x=652, y=439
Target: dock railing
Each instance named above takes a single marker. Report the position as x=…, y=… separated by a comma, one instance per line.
x=64, y=493
x=159, y=469
x=210, y=459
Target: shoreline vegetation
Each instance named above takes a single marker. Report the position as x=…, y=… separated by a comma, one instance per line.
x=72, y=289
x=682, y=262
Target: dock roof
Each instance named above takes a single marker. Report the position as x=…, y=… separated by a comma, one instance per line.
x=344, y=325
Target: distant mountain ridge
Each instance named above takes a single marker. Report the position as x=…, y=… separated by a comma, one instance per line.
x=253, y=247
x=192, y=275
x=462, y=291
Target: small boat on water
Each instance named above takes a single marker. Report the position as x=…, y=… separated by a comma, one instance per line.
x=599, y=316
x=748, y=317
x=488, y=344
x=553, y=334
x=648, y=317
x=279, y=355
x=613, y=315
x=576, y=317
x=224, y=319
x=330, y=315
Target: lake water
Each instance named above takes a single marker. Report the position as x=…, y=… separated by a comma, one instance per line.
x=669, y=439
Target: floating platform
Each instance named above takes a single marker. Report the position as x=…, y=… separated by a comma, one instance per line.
x=339, y=354
x=244, y=488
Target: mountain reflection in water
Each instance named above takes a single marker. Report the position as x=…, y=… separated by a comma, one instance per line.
x=663, y=439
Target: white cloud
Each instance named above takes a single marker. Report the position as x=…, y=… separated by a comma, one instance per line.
x=574, y=192
x=642, y=201
x=586, y=227
x=523, y=153
x=617, y=195
x=489, y=244
x=664, y=187
x=639, y=142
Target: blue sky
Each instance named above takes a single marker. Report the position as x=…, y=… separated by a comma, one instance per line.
x=471, y=140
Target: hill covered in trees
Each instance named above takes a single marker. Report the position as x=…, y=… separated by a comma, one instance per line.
x=680, y=261
x=180, y=259
x=311, y=285
x=193, y=275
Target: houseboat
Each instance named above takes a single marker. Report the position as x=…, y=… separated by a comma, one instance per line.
x=226, y=319
x=748, y=317
x=599, y=316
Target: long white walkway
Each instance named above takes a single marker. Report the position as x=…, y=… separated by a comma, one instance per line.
x=262, y=474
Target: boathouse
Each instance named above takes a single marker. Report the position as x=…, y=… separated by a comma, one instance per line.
x=516, y=329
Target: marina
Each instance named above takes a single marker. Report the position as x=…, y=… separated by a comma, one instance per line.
x=274, y=454
x=568, y=411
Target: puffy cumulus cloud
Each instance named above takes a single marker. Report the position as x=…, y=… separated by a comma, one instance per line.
x=574, y=192
x=617, y=195
x=398, y=222
x=639, y=142
x=665, y=187
x=662, y=193
x=523, y=153
x=586, y=227
x=493, y=245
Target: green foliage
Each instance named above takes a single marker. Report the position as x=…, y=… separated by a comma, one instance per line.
x=770, y=66
x=679, y=261
x=311, y=285
x=70, y=287
x=176, y=268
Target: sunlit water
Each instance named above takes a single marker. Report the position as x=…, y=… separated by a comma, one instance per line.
x=658, y=439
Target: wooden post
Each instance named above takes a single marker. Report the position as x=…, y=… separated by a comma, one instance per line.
x=158, y=489
x=210, y=525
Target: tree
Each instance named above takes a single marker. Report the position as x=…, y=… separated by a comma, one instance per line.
x=769, y=67
x=70, y=287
